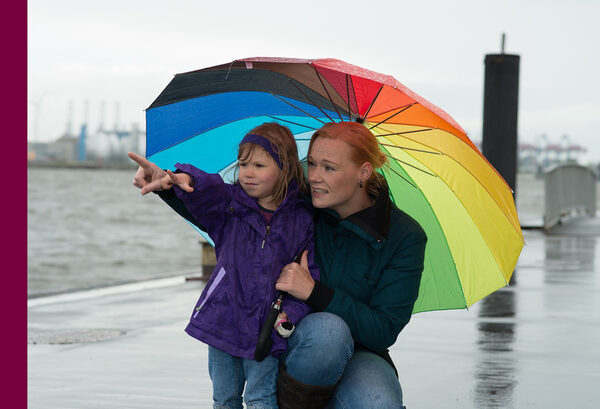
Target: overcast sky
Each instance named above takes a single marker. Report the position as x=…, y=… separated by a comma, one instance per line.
x=125, y=52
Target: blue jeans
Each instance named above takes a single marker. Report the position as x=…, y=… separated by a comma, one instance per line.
x=321, y=350
x=229, y=373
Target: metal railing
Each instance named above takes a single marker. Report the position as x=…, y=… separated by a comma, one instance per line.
x=570, y=192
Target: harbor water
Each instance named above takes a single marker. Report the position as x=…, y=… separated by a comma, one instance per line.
x=90, y=228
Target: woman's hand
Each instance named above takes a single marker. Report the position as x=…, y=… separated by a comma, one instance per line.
x=295, y=279
x=150, y=178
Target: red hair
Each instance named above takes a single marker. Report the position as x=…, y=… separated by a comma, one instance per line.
x=363, y=144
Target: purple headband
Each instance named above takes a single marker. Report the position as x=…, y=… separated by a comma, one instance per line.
x=264, y=143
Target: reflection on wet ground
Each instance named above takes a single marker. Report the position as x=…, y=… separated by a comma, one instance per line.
x=531, y=344
x=575, y=255
x=495, y=375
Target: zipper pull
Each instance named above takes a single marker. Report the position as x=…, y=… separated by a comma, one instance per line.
x=266, y=235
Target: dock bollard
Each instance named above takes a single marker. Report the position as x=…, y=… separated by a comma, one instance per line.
x=209, y=261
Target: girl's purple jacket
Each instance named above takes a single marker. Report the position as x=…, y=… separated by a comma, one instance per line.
x=250, y=255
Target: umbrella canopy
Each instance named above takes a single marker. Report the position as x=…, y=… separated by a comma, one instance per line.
x=435, y=173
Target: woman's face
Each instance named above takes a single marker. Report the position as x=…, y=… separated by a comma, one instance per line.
x=334, y=177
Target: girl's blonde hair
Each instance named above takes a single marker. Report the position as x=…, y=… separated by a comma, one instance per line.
x=364, y=147
x=283, y=144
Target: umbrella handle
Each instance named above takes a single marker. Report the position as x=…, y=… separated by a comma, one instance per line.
x=263, y=345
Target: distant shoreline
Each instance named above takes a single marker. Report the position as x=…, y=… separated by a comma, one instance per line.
x=82, y=165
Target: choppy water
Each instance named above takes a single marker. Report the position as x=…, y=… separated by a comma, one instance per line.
x=90, y=228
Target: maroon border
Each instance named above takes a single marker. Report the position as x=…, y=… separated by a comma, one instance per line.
x=14, y=205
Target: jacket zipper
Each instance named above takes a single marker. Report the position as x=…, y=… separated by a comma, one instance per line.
x=266, y=235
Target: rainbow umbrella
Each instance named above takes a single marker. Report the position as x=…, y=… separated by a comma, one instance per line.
x=435, y=174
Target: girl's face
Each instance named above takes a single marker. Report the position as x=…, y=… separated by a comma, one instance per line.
x=258, y=175
x=334, y=177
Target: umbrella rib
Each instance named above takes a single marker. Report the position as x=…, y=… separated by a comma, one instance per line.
x=327, y=92
x=402, y=177
x=291, y=122
x=412, y=166
x=373, y=101
x=310, y=99
x=228, y=70
x=404, y=133
x=348, y=96
x=355, y=101
x=411, y=149
x=295, y=107
x=391, y=116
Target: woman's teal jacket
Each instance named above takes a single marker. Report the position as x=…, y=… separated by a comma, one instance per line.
x=370, y=265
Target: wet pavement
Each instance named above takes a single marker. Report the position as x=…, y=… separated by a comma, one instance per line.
x=533, y=344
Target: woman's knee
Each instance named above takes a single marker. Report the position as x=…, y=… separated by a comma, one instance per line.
x=369, y=382
x=319, y=349
x=324, y=330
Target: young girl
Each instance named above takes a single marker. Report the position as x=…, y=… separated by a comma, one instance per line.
x=258, y=225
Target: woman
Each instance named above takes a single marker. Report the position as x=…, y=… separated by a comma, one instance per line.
x=370, y=255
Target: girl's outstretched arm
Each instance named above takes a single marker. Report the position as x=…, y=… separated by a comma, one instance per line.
x=150, y=178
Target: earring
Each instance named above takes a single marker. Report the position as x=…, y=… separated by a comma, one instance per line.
x=360, y=184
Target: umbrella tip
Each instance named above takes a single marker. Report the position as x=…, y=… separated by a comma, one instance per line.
x=360, y=120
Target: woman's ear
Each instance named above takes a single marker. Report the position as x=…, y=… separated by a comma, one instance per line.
x=366, y=170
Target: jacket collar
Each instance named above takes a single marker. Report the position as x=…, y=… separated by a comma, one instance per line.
x=375, y=220
x=247, y=207
x=372, y=222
